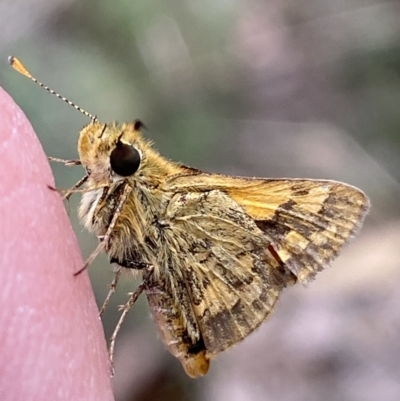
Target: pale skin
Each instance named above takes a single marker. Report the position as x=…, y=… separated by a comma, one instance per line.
x=52, y=341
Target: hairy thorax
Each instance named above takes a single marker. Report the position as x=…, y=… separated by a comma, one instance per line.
x=142, y=236
x=137, y=231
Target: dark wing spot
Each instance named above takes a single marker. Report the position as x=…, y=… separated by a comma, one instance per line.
x=198, y=347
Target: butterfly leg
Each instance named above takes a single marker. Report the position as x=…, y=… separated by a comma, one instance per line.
x=70, y=191
x=129, y=264
x=66, y=193
x=104, y=240
x=125, y=309
x=111, y=291
x=66, y=162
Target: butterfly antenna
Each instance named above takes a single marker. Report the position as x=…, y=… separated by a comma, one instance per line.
x=18, y=66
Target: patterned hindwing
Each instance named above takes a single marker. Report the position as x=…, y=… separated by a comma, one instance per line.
x=173, y=313
x=231, y=278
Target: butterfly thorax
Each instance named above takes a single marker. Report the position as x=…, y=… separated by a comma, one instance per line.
x=136, y=231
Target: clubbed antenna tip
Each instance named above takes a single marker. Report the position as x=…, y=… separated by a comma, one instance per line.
x=18, y=66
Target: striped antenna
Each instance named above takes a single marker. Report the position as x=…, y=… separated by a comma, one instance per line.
x=18, y=66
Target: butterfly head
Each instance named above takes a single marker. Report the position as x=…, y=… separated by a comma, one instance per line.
x=114, y=152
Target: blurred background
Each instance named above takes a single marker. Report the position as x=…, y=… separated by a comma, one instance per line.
x=271, y=88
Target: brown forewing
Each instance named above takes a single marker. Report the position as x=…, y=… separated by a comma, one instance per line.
x=307, y=221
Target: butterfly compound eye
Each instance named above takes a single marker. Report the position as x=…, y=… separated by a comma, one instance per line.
x=124, y=159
